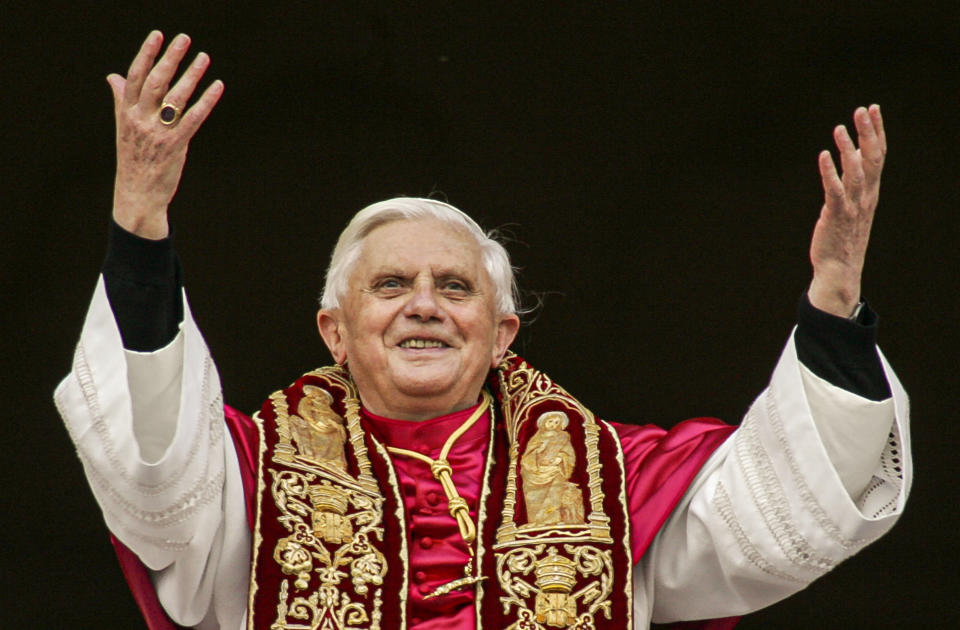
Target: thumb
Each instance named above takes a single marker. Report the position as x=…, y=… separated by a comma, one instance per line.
x=117, y=84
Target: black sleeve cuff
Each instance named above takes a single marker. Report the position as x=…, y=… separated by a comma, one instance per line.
x=143, y=283
x=841, y=351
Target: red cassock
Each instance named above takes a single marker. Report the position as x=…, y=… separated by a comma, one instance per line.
x=659, y=465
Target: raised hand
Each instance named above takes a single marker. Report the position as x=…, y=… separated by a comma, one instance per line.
x=840, y=237
x=152, y=145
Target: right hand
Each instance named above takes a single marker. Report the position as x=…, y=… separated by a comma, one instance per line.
x=150, y=155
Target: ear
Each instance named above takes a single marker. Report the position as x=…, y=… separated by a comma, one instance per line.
x=506, y=332
x=328, y=322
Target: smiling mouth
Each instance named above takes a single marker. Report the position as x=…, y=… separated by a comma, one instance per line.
x=422, y=343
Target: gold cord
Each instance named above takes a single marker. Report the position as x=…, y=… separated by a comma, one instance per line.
x=456, y=504
x=442, y=471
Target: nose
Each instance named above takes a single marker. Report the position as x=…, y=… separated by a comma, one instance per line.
x=423, y=303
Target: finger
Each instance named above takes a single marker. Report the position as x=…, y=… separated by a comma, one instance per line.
x=157, y=82
x=140, y=66
x=183, y=89
x=198, y=112
x=850, y=162
x=832, y=186
x=877, y=118
x=869, y=141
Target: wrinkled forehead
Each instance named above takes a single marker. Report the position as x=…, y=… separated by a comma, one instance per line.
x=408, y=245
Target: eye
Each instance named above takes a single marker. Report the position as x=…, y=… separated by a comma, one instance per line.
x=454, y=285
x=389, y=286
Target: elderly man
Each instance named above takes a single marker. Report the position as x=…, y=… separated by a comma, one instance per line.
x=433, y=479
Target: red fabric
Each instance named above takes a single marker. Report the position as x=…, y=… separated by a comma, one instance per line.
x=659, y=466
x=138, y=579
x=246, y=439
x=437, y=553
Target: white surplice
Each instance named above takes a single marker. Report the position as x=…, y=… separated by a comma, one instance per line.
x=812, y=475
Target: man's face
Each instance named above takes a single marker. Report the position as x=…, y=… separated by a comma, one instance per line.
x=418, y=325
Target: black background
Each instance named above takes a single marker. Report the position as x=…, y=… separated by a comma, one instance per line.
x=654, y=162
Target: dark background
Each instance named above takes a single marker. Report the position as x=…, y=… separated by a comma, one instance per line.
x=654, y=162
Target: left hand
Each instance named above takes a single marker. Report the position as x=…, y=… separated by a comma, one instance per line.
x=840, y=237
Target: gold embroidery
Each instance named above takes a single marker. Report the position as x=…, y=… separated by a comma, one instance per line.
x=333, y=519
x=625, y=546
x=522, y=390
x=556, y=577
x=317, y=430
x=257, y=536
x=555, y=573
x=482, y=511
x=540, y=562
x=330, y=506
x=546, y=466
x=294, y=560
x=318, y=409
x=303, y=554
x=404, y=553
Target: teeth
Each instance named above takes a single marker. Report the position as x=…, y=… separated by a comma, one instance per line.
x=421, y=343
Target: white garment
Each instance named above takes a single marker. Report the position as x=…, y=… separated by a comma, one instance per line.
x=769, y=512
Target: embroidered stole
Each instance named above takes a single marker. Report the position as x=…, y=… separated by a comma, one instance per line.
x=330, y=537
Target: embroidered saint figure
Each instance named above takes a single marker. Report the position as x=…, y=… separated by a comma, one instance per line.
x=546, y=466
x=318, y=430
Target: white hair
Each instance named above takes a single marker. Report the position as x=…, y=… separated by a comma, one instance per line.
x=496, y=261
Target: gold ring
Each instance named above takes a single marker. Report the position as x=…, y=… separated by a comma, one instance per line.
x=169, y=114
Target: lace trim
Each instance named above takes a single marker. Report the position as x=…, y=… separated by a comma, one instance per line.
x=179, y=511
x=723, y=505
x=88, y=388
x=204, y=490
x=890, y=479
x=891, y=460
x=155, y=542
x=808, y=497
x=770, y=500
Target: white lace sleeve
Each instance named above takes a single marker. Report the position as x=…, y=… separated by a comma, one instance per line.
x=771, y=511
x=150, y=433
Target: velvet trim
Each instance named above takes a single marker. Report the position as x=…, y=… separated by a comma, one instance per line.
x=525, y=395
x=368, y=468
